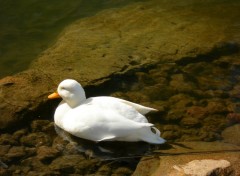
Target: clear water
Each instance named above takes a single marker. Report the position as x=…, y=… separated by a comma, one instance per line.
x=29, y=27
x=196, y=99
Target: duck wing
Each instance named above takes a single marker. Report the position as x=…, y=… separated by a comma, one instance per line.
x=97, y=124
x=140, y=108
x=127, y=109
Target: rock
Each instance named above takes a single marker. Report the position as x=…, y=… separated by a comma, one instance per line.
x=35, y=164
x=175, y=114
x=215, y=122
x=104, y=170
x=171, y=135
x=4, y=149
x=172, y=161
x=190, y=122
x=235, y=93
x=197, y=112
x=158, y=92
x=179, y=83
x=59, y=143
x=233, y=118
x=46, y=154
x=203, y=167
x=121, y=171
x=171, y=132
x=231, y=134
x=36, y=139
x=16, y=152
x=38, y=125
x=66, y=164
x=43, y=173
x=19, y=133
x=7, y=139
x=217, y=106
x=4, y=172
x=29, y=91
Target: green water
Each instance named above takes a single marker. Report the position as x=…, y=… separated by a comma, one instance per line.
x=28, y=27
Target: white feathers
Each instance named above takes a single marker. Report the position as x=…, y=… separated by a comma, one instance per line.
x=102, y=118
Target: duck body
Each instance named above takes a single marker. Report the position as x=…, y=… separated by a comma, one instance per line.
x=102, y=118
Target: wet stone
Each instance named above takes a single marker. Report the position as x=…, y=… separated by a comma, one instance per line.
x=19, y=170
x=179, y=83
x=121, y=171
x=71, y=148
x=104, y=170
x=4, y=149
x=8, y=139
x=190, y=122
x=4, y=172
x=46, y=154
x=43, y=173
x=18, y=134
x=231, y=134
x=233, y=118
x=38, y=125
x=87, y=166
x=66, y=164
x=217, y=106
x=171, y=135
x=36, y=139
x=175, y=114
x=215, y=93
x=158, y=92
x=235, y=92
x=136, y=97
x=16, y=152
x=215, y=122
x=145, y=78
x=34, y=163
x=197, y=112
x=181, y=98
x=59, y=143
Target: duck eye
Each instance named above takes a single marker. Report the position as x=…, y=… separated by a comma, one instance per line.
x=62, y=88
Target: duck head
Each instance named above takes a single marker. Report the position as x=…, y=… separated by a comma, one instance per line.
x=71, y=92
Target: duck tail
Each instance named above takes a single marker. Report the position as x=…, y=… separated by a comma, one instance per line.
x=149, y=136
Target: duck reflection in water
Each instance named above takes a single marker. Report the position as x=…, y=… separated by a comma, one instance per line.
x=106, y=149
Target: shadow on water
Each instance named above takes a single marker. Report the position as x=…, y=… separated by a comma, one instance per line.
x=29, y=27
x=109, y=150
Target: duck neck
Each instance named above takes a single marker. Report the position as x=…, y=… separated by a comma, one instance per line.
x=75, y=101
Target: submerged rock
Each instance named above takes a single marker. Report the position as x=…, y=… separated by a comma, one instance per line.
x=16, y=152
x=46, y=154
x=203, y=167
x=36, y=139
x=192, y=158
x=231, y=134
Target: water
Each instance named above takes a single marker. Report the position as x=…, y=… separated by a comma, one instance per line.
x=30, y=27
x=197, y=95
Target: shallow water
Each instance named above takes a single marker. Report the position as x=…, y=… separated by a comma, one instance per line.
x=29, y=27
x=197, y=97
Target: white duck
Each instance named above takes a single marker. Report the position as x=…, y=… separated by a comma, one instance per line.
x=102, y=118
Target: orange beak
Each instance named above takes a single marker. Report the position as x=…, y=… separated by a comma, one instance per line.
x=54, y=95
